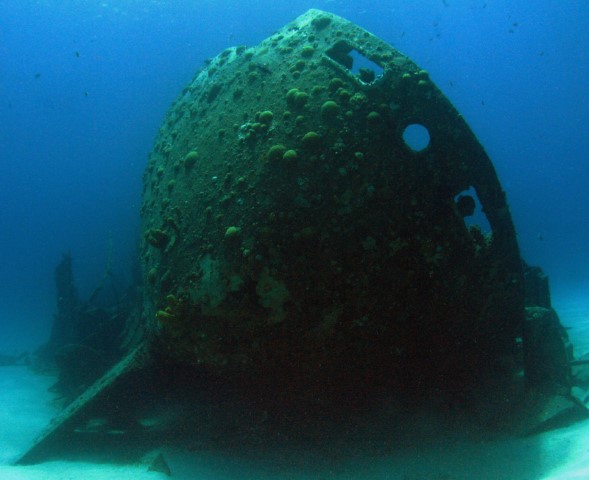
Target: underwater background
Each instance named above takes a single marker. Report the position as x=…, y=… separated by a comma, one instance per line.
x=84, y=86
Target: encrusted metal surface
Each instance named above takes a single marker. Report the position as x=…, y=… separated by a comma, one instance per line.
x=291, y=232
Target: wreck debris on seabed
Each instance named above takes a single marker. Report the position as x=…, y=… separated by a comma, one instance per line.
x=321, y=232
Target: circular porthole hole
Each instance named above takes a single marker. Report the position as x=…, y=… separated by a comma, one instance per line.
x=416, y=137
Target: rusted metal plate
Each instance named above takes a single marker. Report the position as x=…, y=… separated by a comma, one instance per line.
x=296, y=233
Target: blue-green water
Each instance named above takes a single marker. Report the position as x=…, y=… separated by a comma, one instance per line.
x=84, y=87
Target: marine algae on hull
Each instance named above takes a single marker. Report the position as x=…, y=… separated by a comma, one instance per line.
x=427, y=300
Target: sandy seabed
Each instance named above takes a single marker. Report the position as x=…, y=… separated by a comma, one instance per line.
x=26, y=408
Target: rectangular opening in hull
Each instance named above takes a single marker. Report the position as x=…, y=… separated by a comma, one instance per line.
x=365, y=70
x=469, y=206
